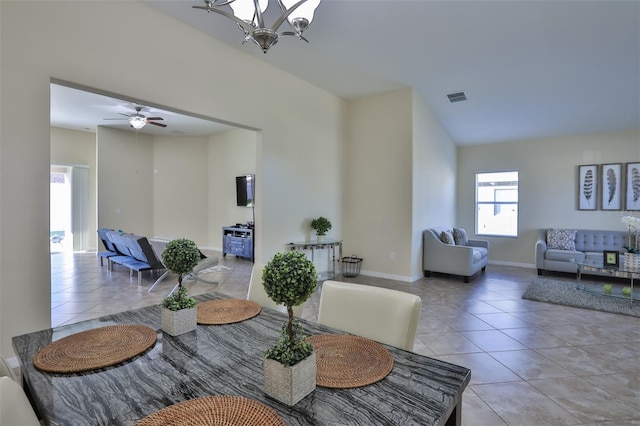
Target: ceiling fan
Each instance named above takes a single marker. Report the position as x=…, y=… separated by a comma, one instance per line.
x=138, y=121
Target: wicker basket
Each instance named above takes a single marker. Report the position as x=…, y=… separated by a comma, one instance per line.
x=179, y=322
x=290, y=384
x=351, y=266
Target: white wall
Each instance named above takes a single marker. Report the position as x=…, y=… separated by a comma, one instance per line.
x=377, y=206
x=434, y=179
x=548, y=185
x=125, y=180
x=231, y=154
x=181, y=188
x=71, y=147
x=400, y=179
x=88, y=43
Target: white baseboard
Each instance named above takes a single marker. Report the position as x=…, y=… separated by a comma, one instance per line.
x=386, y=276
x=517, y=264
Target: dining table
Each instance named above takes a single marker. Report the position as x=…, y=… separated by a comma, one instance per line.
x=227, y=359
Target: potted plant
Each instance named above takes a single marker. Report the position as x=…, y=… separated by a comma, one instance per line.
x=321, y=225
x=290, y=366
x=632, y=255
x=179, y=312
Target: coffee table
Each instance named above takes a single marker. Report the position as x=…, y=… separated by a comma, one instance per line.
x=615, y=271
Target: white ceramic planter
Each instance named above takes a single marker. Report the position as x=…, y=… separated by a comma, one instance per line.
x=290, y=384
x=632, y=261
x=179, y=322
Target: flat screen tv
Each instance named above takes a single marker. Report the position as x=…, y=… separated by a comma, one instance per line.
x=245, y=190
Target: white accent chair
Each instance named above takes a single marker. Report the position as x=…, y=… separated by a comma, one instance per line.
x=384, y=315
x=258, y=294
x=15, y=408
x=443, y=258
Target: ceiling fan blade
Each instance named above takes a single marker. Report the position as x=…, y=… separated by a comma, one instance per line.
x=156, y=124
x=154, y=118
x=115, y=118
x=126, y=115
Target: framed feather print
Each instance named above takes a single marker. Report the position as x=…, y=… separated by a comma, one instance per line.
x=611, y=186
x=588, y=187
x=633, y=187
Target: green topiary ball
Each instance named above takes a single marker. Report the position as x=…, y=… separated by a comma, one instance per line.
x=180, y=256
x=290, y=278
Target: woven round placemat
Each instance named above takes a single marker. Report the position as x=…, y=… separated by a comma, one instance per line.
x=94, y=349
x=220, y=410
x=347, y=361
x=226, y=311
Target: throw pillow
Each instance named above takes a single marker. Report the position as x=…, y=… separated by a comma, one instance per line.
x=561, y=239
x=460, y=237
x=447, y=238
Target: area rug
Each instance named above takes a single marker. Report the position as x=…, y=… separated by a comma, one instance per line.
x=565, y=293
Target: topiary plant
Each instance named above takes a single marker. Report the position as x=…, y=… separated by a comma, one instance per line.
x=180, y=257
x=290, y=279
x=321, y=225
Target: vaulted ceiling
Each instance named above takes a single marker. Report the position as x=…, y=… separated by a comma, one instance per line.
x=530, y=69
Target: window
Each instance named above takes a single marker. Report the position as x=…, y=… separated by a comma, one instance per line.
x=497, y=204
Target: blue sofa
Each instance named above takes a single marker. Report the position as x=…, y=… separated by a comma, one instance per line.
x=556, y=248
x=129, y=250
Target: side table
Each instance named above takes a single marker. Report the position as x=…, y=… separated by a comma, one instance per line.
x=329, y=245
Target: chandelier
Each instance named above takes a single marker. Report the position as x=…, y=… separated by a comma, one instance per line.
x=248, y=15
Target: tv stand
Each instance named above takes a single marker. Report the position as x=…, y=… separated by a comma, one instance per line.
x=237, y=241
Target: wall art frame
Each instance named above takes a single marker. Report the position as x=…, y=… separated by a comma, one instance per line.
x=611, y=186
x=632, y=196
x=588, y=187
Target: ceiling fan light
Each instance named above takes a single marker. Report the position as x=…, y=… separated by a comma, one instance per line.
x=137, y=122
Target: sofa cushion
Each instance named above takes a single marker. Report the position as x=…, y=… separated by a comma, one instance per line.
x=596, y=256
x=564, y=255
x=447, y=238
x=561, y=239
x=479, y=253
x=596, y=241
x=460, y=237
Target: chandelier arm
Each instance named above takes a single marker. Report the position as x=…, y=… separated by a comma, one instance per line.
x=248, y=29
x=286, y=13
x=256, y=6
x=224, y=3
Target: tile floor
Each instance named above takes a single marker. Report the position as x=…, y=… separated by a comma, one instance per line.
x=532, y=363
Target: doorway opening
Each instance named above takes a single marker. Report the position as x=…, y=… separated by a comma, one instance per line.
x=68, y=198
x=60, y=236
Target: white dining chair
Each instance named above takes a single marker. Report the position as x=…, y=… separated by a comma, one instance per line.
x=258, y=294
x=380, y=314
x=15, y=408
x=5, y=370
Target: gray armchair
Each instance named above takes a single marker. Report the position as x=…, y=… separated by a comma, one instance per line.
x=453, y=259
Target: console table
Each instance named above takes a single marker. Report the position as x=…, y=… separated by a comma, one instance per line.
x=328, y=244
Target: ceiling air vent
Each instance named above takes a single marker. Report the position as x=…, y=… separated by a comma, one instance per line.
x=457, y=97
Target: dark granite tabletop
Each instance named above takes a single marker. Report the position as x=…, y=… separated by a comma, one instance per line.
x=227, y=359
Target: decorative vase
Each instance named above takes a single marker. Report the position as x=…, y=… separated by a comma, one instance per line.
x=290, y=384
x=632, y=261
x=320, y=238
x=179, y=322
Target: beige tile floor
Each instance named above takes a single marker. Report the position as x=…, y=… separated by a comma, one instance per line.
x=532, y=363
